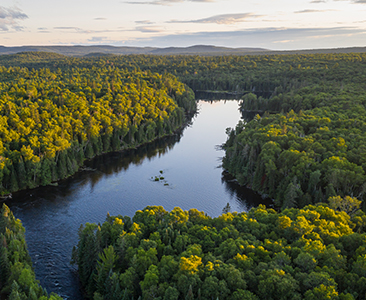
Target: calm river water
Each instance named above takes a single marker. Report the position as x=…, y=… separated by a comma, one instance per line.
x=121, y=184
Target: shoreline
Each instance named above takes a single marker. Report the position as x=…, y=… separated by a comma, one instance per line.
x=82, y=167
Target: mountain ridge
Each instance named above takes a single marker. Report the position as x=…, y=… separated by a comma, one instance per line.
x=102, y=50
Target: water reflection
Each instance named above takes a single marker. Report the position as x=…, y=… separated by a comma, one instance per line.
x=116, y=162
x=208, y=96
x=243, y=194
x=120, y=183
x=101, y=167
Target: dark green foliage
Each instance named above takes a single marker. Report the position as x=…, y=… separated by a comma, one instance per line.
x=313, y=147
x=304, y=253
x=17, y=278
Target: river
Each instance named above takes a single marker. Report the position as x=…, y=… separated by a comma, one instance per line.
x=122, y=183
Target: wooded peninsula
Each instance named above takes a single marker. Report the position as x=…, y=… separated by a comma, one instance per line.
x=52, y=121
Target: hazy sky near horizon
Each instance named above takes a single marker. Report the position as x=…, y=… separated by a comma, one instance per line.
x=280, y=24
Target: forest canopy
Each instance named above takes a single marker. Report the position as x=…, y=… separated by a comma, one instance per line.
x=310, y=144
x=50, y=122
x=17, y=278
x=310, y=253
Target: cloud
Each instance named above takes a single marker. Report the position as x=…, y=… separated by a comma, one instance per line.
x=355, y=1
x=165, y=2
x=84, y=31
x=43, y=30
x=9, y=18
x=312, y=11
x=144, y=29
x=13, y=13
x=352, y=1
x=148, y=29
x=221, y=19
x=295, y=38
x=97, y=39
x=100, y=19
x=283, y=42
x=67, y=28
x=147, y=22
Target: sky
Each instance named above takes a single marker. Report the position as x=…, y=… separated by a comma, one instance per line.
x=270, y=24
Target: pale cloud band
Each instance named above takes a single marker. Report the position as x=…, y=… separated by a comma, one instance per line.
x=148, y=29
x=146, y=22
x=9, y=18
x=221, y=19
x=166, y=2
x=68, y=29
x=352, y=1
x=305, y=11
x=356, y=1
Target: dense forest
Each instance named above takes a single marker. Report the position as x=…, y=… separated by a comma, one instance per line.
x=250, y=73
x=307, y=151
x=312, y=253
x=17, y=278
x=52, y=121
x=311, y=142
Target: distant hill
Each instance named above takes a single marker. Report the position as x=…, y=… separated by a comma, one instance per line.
x=104, y=50
x=205, y=49
x=77, y=50
x=317, y=51
x=29, y=57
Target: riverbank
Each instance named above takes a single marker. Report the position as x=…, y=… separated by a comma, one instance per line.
x=122, y=184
